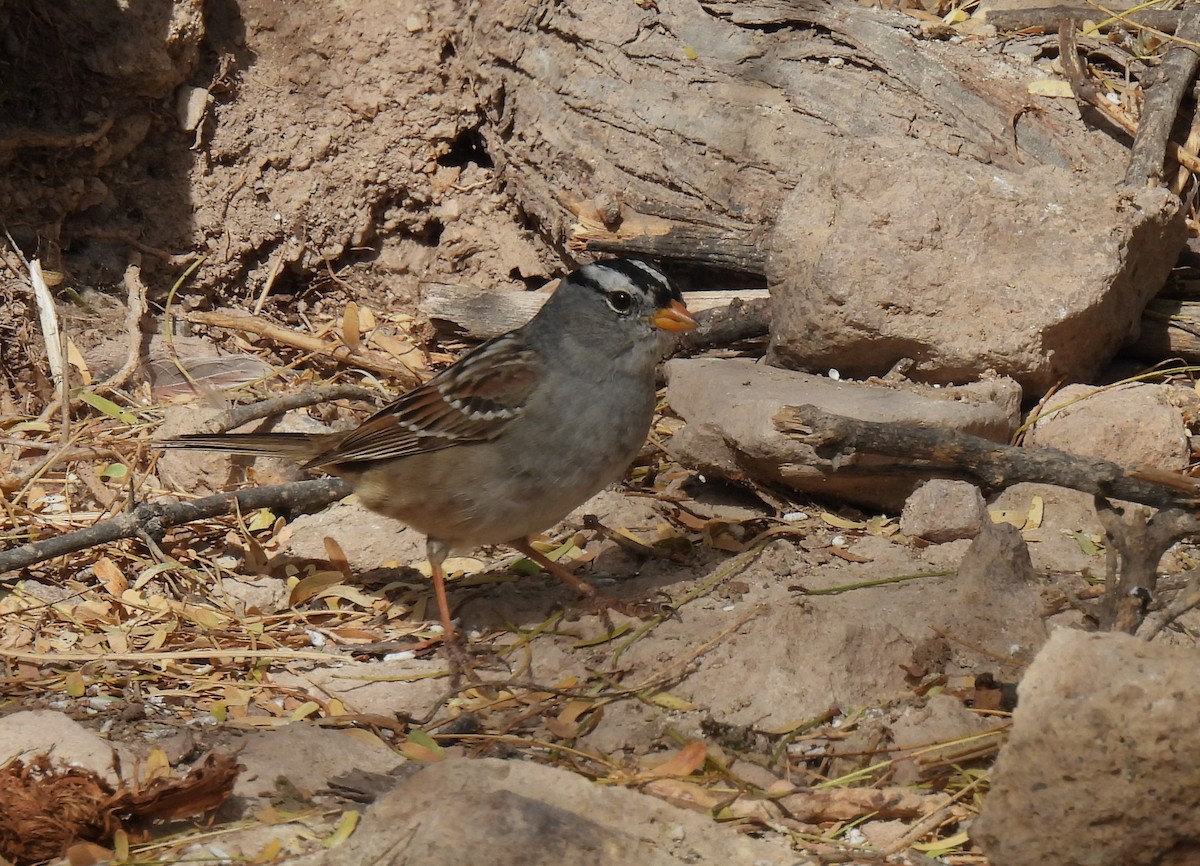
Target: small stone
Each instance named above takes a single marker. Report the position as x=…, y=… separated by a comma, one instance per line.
x=940, y=511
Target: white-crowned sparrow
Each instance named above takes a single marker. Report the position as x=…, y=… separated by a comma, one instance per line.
x=516, y=433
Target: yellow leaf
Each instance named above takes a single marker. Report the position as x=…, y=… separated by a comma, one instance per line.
x=344, y=828
x=305, y=710
x=269, y=852
x=350, y=327
x=75, y=684
x=943, y=845
x=311, y=587
x=107, y=573
x=1054, y=87
x=118, y=641
x=1008, y=515
x=670, y=702
x=366, y=320
x=157, y=766
x=842, y=522
x=75, y=359
x=1037, y=510
x=419, y=746
x=262, y=519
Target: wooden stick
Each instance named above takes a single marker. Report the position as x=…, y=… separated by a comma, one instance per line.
x=988, y=463
x=1175, y=76
x=153, y=518
x=234, y=320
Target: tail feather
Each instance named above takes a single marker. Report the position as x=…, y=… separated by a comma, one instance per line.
x=298, y=446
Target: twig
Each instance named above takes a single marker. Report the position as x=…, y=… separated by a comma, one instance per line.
x=1175, y=76
x=237, y=321
x=272, y=276
x=1186, y=599
x=722, y=326
x=1136, y=544
x=1085, y=91
x=236, y=416
x=174, y=259
x=1050, y=17
x=155, y=518
x=135, y=309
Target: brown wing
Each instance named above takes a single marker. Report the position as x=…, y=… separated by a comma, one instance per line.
x=471, y=401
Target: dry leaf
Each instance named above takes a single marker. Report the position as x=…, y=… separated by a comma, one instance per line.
x=1054, y=87
x=683, y=763
x=110, y=576
x=350, y=327
x=685, y=795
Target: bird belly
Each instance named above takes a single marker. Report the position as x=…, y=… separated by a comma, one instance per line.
x=539, y=483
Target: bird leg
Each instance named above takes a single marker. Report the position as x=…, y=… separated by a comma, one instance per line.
x=460, y=661
x=603, y=603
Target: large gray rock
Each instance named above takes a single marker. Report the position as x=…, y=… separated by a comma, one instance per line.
x=730, y=406
x=1039, y=275
x=514, y=813
x=1101, y=767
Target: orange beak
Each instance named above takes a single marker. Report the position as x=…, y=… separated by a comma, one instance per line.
x=674, y=317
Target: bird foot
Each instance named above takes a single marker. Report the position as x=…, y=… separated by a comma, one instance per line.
x=638, y=608
x=468, y=661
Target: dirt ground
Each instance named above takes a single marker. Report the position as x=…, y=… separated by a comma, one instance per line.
x=331, y=163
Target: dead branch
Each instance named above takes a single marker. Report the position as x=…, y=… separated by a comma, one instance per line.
x=154, y=518
x=1175, y=76
x=236, y=416
x=1049, y=18
x=1136, y=543
x=246, y=323
x=988, y=463
x=1085, y=91
x=724, y=326
x=1185, y=599
x=135, y=309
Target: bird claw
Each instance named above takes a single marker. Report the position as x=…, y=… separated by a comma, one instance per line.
x=638, y=609
x=469, y=660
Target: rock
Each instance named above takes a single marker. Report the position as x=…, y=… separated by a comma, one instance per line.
x=369, y=540
x=854, y=648
x=730, y=405
x=1100, y=769
x=34, y=732
x=1047, y=281
x=307, y=756
x=1068, y=523
x=940, y=719
x=1133, y=425
x=514, y=813
x=941, y=511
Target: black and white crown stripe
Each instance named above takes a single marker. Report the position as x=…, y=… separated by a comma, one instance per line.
x=623, y=273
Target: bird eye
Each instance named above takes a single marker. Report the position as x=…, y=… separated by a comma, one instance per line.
x=621, y=302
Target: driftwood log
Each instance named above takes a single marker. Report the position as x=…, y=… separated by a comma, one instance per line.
x=678, y=130
x=904, y=196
